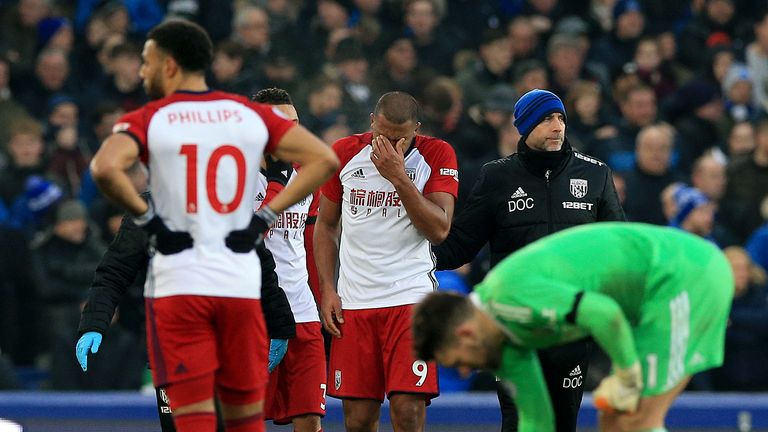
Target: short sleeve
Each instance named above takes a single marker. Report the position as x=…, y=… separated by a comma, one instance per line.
x=445, y=172
x=135, y=124
x=277, y=124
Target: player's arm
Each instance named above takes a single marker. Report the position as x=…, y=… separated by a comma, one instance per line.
x=521, y=369
x=326, y=248
x=432, y=213
x=318, y=162
x=116, y=155
x=603, y=318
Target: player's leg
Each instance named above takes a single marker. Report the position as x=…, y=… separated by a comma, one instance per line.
x=361, y=415
x=242, y=351
x=297, y=387
x=356, y=369
x=183, y=357
x=164, y=410
x=410, y=383
x=650, y=414
x=564, y=368
x=408, y=411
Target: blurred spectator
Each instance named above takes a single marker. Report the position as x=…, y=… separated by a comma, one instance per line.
x=566, y=57
x=51, y=76
x=747, y=187
x=10, y=109
x=68, y=160
x=713, y=26
x=136, y=16
x=739, y=104
x=668, y=51
x=525, y=39
x=229, y=72
x=251, y=30
x=741, y=140
x=757, y=244
x=86, y=64
x=637, y=105
x=25, y=195
x=18, y=37
x=434, y=45
x=746, y=338
x=493, y=67
x=323, y=105
x=55, y=33
x=102, y=119
x=66, y=258
x=589, y=119
x=701, y=109
x=214, y=15
x=18, y=298
x=124, y=85
x=617, y=48
x=650, y=175
x=281, y=70
x=649, y=66
x=442, y=108
x=399, y=70
x=757, y=60
x=351, y=68
x=708, y=175
x=530, y=74
x=327, y=28
x=62, y=111
x=694, y=212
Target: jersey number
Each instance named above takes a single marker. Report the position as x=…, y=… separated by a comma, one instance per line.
x=420, y=369
x=190, y=152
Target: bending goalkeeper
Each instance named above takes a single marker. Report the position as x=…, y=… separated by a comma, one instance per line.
x=655, y=299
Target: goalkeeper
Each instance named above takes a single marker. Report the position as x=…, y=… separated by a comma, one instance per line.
x=655, y=299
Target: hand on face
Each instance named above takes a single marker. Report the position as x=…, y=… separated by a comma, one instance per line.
x=388, y=159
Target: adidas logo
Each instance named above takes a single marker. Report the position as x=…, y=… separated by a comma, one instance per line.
x=181, y=369
x=358, y=174
x=519, y=193
x=576, y=370
x=259, y=196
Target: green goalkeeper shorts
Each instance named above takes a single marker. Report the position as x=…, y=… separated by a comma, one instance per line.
x=683, y=319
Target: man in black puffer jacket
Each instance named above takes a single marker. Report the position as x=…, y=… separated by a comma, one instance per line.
x=543, y=188
x=121, y=275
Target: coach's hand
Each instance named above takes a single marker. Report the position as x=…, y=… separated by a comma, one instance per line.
x=621, y=390
x=164, y=240
x=330, y=312
x=277, y=350
x=89, y=341
x=245, y=240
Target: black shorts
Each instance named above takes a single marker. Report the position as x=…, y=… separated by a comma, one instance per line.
x=565, y=370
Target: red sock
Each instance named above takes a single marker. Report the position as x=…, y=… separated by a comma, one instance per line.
x=195, y=422
x=254, y=423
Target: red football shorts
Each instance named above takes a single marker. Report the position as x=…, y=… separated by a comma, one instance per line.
x=189, y=336
x=374, y=357
x=297, y=385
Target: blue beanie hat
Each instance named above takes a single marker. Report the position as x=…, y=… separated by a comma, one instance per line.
x=531, y=109
x=687, y=199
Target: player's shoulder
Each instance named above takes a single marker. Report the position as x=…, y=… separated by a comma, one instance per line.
x=429, y=144
x=352, y=143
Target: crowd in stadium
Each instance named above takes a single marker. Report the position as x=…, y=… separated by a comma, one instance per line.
x=671, y=95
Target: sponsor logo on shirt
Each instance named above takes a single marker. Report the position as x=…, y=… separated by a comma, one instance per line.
x=577, y=205
x=588, y=159
x=579, y=188
x=453, y=172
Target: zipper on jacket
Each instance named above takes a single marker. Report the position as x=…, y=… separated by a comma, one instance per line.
x=549, y=202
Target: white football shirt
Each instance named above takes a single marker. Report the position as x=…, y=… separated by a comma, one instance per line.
x=203, y=151
x=384, y=260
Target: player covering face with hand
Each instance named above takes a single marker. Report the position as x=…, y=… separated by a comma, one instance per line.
x=655, y=299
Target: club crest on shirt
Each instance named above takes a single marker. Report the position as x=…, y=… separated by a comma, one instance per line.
x=579, y=188
x=411, y=172
x=337, y=379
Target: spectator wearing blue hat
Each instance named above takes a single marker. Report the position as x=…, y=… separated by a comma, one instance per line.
x=543, y=188
x=694, y=213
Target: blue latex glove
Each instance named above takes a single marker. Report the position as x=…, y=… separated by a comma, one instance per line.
x=277, y=349
x=92, y=341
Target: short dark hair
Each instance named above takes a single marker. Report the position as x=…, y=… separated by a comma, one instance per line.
x=272, y=96
x=231, y=49
x=185, y=41
x=434, y=321
x=398, y=107
x=125, y=48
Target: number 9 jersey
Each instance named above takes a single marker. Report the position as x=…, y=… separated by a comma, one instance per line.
x=203, y=152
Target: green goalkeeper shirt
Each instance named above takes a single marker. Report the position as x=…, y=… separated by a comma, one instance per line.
x=597, y=279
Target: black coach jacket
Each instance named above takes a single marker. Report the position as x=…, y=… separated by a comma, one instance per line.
x=516, y=201
x=125, y=264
